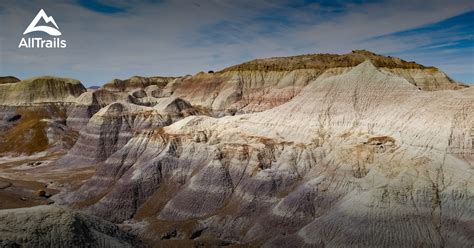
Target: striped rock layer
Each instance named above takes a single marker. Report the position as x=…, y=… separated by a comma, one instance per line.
x=358, y=158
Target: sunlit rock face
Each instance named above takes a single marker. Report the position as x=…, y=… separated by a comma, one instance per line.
x=357, y=156
x=262, y=84
x=313, y=150
x=33, y=114
x=40, y=90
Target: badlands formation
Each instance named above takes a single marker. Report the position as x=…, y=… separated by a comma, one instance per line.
x=353, y=150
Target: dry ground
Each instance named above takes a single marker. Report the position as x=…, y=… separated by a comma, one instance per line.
x=23, y=178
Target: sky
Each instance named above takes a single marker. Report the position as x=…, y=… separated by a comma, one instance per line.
x=109, y=39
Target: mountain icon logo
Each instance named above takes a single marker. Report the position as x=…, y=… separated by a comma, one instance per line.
x=47, y=29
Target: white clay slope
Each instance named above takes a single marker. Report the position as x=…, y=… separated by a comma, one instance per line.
x=359, y=159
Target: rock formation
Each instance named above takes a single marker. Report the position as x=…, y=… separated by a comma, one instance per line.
x=40, y=90
x=48, y=226
x=349, y=154
x=136, y=82
x=33, y=114
x=31, y=129
x=87, y=105
x=8, y=80
x=265, y=83
x=313, y=150
x=114, y=125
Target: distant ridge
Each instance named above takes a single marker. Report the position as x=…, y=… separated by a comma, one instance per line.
x=324, y=61
x=8, y=80
x=40, y=89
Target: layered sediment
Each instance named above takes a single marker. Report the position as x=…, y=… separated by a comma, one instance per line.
x=262, y=84
x=350, y=148
x=114, y=125
x=313, y=150
x=40, y=90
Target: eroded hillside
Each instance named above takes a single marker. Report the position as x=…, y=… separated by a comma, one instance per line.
x=312, y=150
x=348, y=149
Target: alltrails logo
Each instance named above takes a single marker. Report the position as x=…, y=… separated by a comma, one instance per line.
x=38, y=42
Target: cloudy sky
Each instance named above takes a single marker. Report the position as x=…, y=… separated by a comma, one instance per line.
x=117, y=39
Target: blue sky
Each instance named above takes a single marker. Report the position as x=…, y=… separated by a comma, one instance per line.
x=117, y=39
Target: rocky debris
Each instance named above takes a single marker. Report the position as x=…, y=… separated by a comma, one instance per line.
x=380, y=140
x=8, y=80
x=44, y=194
x=40, y=90
x=50, y=226
x=34, y=164
x=41, y=193
x=307, y=170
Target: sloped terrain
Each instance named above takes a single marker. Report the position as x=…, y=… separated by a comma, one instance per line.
x=114, y=125
x=31, y=129
x=48, y=226
x=33, y=115
x=349, y=150
x=266, y=83
x=313, y=150
x=136, y=82
x=87, y=104
x=8, y=80
x=41, y=89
